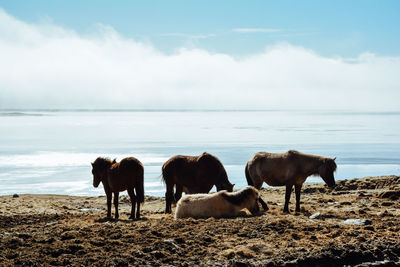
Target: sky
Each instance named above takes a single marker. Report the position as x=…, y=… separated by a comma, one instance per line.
x=200, y=54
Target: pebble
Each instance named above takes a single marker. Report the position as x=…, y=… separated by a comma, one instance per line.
x=358, y=221
x=383, y=213
x=169, y=241
x=315, y=215
x=89, y=209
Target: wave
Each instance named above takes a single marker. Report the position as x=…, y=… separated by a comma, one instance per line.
x=69, y=159
x=20, y=114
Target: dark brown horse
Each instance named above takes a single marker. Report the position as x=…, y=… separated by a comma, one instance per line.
x=290, y=169
x=118, y=177
x=193, y=174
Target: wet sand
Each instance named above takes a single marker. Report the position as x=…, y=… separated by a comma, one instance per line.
x=69, y=230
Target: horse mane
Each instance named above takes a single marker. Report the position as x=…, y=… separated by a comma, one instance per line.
x=237, y=198
x=103, y=163
x=330, y=164
x=205, y=155
x=293, y=152
x=297, y=154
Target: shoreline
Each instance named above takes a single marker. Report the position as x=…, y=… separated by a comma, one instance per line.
x=354, y=224
x=311, y=181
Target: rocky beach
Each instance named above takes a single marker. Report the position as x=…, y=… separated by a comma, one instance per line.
x=357, y=224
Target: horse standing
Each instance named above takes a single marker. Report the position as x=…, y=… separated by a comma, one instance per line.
x=220, y=204
x=290, y=169
x=118, y=177
x=193, y=174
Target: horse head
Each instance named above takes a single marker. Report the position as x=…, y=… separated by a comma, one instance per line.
x=222, y=182
x=326, y=171
x=96, y=176
x=99, y=170
x=254, y=209
x=252, y=200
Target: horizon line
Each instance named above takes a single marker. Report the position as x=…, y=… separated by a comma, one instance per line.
x=196, y=110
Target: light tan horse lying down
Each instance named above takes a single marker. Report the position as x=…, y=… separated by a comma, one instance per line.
x=220, y=204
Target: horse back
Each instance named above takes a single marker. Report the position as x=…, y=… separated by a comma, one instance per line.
x=273, y=168
x=128, y=173
x=195, y=173
x=130, y=165
x=204, y=205
x=176, y=166
x=271, y=161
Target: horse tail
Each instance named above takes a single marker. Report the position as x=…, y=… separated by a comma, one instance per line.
x=165, y=173
x=140, y=186
x=248, y=177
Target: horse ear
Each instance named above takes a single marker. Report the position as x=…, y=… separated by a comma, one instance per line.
x=114, y=161
x=334, y=158
x=91, y=163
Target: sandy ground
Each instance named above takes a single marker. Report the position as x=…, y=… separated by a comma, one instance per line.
x=67, y=230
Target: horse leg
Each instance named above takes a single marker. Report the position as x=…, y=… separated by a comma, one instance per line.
x=133, y=203
x=138, y=210
x=287, y=197
x=297, y=189
x=138, y=205
x=169, y=196
x=263, y=204
x=116, y=194
x=257, y=184
x=109, y=196
x=178, y=192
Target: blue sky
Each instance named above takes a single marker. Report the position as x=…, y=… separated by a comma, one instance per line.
x=200, y=54
x=331, y=28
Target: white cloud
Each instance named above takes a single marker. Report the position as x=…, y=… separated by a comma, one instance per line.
x=255, y=30
x=47, y=66
x=189, y=36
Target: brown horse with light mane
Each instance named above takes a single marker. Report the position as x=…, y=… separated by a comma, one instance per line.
x=290, y=169
x=193, y=174
x=118, y=177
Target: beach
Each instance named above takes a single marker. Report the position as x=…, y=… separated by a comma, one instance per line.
x=356, y=223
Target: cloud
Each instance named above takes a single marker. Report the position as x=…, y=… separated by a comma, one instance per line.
x=47, y=66
x=255, y=30
x=189, y=36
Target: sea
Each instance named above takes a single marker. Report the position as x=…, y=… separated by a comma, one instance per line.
x=49, y=151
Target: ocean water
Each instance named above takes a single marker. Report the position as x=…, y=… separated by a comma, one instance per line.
x=50, y=151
